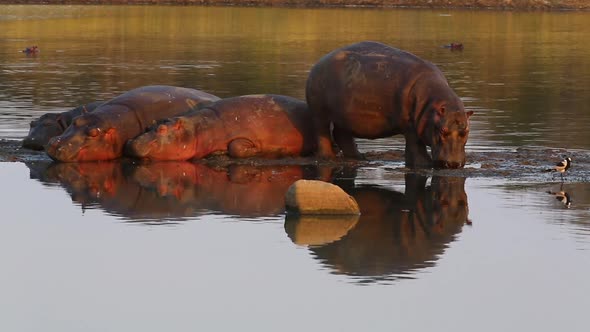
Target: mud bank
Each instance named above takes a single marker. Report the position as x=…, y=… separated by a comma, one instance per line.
x=526, y=164
x=465, y=4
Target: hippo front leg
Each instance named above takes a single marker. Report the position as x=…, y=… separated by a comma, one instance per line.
x=346, y=142
x=242, y=148
x=416, y=154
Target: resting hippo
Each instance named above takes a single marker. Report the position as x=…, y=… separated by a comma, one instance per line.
x=269, y=126
x=371, y=90
x=53, y=124
x=102, y=134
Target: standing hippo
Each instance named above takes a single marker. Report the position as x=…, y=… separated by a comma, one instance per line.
x=270, y=126
x=371, y=90
x=102, y=134
x=53, y=124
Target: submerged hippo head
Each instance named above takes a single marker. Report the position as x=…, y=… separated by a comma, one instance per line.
x=88, y=138
x=170, y=140
x=43, y=129
x=449, y=136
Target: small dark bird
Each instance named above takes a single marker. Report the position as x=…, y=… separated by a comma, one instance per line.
x=31, y=50
x=454, y=46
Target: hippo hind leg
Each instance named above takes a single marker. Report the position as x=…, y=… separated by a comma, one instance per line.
x=345, y=141
x=416, y=154
x=242, y=148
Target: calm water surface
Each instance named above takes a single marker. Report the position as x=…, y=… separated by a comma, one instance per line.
x=85, y=248
x=525, y=74
x=182, y=246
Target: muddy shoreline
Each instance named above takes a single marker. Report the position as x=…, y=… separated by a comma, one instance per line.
x=520, y=164
x=432, y=4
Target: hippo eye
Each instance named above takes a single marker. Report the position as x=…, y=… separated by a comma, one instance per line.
x=78, y=122
x=162, y=129
x=93, y=132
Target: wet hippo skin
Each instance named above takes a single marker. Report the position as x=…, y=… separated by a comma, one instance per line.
x=371, y=90
x=50, y=125
x=267, y=126
x=102, y=134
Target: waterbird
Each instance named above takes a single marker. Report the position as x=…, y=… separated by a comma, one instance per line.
x=561, y=166
x=454, y=46
x=31, y=50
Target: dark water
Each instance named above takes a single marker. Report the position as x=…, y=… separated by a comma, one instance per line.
x=185, y=246
x=525, y=74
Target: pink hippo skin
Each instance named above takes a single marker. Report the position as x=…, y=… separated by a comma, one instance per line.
x=102, y=134
x=268, y=126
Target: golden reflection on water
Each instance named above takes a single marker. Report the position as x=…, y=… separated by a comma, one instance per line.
x=525, y=74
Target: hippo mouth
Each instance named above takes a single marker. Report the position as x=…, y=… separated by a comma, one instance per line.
x=448, y=164
x=64, y=153
x=61, y=151
x=32, y=143
x=138, y=149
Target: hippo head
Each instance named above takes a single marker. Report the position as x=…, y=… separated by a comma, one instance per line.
x=169, y=179
x=43, y=129
x=450, y=204
x=89, y=138
x=449, y=135
x=172, y=139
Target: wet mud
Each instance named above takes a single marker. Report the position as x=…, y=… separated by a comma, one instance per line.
x=529, y=164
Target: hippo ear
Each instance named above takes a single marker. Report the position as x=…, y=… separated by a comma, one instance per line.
x=470, y=113
x=62, y=122
x=162, y=129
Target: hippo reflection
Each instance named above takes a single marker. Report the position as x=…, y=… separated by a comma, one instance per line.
x=176, y=190
x=397, y=233
x=242, y=190
x=109, y=186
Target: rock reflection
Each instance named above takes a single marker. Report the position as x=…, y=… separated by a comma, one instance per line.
x=170, y=191
x=396, y=234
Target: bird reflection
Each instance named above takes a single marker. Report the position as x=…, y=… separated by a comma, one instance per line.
x=169, y=191
x=397, y=233
x=562, y=196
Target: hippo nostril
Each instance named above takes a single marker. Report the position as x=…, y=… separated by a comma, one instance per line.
x=447, y=164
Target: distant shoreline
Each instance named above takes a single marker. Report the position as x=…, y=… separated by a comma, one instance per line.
x=553, y=5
